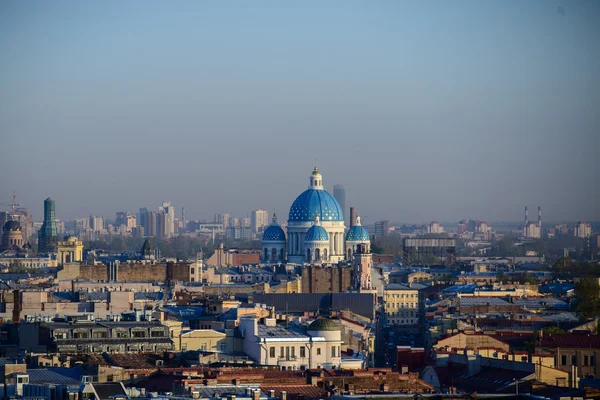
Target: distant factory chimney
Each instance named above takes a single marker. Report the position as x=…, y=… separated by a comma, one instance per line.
x=352, y=216
x=540, y=218
x=526, y=216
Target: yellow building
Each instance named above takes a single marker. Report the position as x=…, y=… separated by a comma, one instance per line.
x=200, y=339
x=70, y=250
x=401, y=305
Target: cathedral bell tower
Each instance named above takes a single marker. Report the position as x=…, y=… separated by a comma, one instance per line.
x=362, y=263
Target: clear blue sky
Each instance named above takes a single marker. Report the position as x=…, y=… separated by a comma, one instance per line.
x=422, y=109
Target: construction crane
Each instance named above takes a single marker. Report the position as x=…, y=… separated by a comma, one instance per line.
x=14, y=203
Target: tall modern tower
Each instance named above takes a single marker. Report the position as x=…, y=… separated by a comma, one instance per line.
x=339, y=193
x=48, y=235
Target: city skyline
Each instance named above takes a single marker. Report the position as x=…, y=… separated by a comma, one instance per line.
x=213, y=217
x=452, y=114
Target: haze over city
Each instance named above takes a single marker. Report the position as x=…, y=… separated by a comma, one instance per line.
x=471, y=111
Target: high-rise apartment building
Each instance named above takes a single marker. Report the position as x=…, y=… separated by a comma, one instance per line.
x=339, y=193
x=48, y=236
x=245, y=222
x=435, y=227
x=96, y=223
x=582, y=229
x=151, y=228
x=532, y=229
x=168, y=221
x=222, y=218
x=462, y=226
x=259, y=219
x=382, y=228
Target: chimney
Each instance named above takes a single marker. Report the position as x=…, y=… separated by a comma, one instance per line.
x=526, y=216
x=352, y=216
x=17, y=306
x=283, y=395
x=271, y=393
x=256, y=395
x=540, y=218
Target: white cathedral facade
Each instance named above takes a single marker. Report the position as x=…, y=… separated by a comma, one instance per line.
x=316, y=232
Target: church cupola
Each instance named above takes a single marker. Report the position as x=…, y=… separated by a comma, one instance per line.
x=316, y=180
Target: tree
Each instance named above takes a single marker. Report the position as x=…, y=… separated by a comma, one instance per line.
x=587, y=291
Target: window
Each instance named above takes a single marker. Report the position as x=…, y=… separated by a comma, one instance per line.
x=302, y=351
x=157, y=334
x=524, y=359
x=563, y=360
x=139, y=334
x=333, y=351
x=184, y=347
x=592, y=363
x=80, y=335
x=192, y=270
x=109, y=378
x=318, y=351
x=99, y=335
x=585, y=361
x=281, y=354
x=573, y=360
x=293, y=351
x=272, y=352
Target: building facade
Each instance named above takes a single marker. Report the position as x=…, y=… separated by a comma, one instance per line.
x=320, y=346
x=401, y=305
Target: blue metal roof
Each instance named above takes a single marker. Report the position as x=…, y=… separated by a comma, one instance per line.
x=316, y=233
x=274, y=233
x=357, y=234
x=314, y=202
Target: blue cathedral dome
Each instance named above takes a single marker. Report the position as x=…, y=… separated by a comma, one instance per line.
x=274, y=232
x=358, y=234
x=314, y=202
x=316, y=233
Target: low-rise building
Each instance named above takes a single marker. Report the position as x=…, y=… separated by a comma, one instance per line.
x=319, y=346
x=74, y=337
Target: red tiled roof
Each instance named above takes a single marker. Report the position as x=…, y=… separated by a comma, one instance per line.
x=308, y=391
x=570, y=341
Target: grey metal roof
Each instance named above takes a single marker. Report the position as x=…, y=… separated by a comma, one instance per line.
x=96, y=296
x=278, y=332
x=542, y=303
x=149, y=296
x=482, y=301
x=56, y=376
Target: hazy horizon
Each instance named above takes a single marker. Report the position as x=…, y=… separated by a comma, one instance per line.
x=423, y=113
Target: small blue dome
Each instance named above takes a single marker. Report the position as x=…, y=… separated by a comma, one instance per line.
x=316, y=233
x=314, y=202
x=358, y=234
x=274, y=233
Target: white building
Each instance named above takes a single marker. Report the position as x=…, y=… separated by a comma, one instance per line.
x=169, y=218
x=532, y=230
x=259, y=219
x=275, y=345
x=583, y=230
x=96, y=223
x=435, y=227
